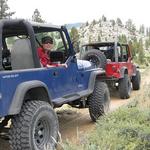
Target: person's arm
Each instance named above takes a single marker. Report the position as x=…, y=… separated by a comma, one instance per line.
x=42, y=57
x=44, y=61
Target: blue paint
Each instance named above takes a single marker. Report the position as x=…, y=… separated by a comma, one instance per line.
x=59, y=80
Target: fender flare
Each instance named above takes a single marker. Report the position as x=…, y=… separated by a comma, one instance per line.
x=135, y=68
x=123, y=71
x=93, y=77
x=20, y=93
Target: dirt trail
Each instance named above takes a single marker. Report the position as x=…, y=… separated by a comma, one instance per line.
x=76, y=123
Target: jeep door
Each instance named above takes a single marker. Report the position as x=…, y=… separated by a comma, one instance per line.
x=60, y=77
x=63, y=80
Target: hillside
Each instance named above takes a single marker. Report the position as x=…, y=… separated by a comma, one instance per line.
x=76, y=25
x=109, y=30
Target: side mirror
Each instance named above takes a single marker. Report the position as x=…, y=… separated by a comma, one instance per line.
x=57, y=56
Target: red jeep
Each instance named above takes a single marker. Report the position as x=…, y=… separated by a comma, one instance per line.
x=116, y=59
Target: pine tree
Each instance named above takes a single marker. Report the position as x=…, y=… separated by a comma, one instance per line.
x=94, y=22
x=147, y=31
x=87, y=23
x=119, y=22
x=147, y=43
x=75, y=38
x=134, y=46
x=112, y=23
x=141, y=52
x=122, y=38
x=130, y=26
x=37, y=16
x=142, y=29
x=104, y=18
x=133, y=29
x=4, y=10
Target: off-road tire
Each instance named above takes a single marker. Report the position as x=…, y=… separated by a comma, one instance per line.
x=136, y=81
x=125, y=87
x=96, y=57
x=99, y=100
x=35, y=128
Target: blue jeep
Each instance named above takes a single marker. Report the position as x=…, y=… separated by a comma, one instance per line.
x=29, y=92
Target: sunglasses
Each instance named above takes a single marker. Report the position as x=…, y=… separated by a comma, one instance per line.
x=46, y=42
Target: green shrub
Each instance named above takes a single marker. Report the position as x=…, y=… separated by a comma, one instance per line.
x=126, y=128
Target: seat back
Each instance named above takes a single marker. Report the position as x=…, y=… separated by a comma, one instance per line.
x=21, y=55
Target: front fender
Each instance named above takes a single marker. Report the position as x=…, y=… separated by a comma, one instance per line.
x=93, y=77
x=20, y=93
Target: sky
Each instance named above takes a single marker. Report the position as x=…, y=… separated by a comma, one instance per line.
x=60, y=12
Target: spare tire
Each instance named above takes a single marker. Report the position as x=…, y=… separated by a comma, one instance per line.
x=96, y=57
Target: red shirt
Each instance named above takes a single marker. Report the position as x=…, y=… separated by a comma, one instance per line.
x=44, y=59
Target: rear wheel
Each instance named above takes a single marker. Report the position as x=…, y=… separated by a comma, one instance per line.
x=136, y=81
x=35, y=128
x=96, y=57
x=125, y=87
x=99, y=100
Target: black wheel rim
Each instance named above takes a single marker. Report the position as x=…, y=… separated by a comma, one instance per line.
x=42, y=133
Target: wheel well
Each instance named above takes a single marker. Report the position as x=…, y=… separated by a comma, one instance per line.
x=126, y=71
x=101, y=76
x=123, y=71
x=38, y=93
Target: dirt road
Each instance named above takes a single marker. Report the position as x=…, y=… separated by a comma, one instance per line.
x=76, y=123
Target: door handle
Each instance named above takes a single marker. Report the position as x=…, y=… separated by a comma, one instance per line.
x=55, y=73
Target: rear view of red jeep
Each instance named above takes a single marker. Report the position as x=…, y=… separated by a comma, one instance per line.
x=116, y=60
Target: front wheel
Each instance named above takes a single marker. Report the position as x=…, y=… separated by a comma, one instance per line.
x=99, y=100
x=35, y=128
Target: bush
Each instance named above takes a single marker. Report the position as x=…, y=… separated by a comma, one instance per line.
x=126, y=128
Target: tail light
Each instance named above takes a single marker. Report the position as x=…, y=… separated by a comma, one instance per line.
x=114, y=68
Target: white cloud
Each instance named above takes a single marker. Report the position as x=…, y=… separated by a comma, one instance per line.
x=69, y=11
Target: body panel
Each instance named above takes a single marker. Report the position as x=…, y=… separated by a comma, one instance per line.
x=62, y=83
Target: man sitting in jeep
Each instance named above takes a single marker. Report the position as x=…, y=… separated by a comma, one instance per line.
x=44, y=52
